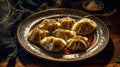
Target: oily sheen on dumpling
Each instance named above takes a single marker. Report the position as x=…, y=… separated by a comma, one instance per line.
x=49, y=24
x=53, y=44
x=84, y=26
x=37, y=34
x=67, y=23
x=64, y=34
x=77, y=43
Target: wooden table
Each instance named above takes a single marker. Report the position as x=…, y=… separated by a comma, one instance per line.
x=106, y=58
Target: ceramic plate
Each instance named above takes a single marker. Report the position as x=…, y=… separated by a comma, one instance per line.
x=100, y=40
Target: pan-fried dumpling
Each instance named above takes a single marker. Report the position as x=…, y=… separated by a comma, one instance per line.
x=49, y=24
x=64, y=34
x=77, y=43
x=53, y=44
x=37, y=34
x=84, y=26
x=67, y=23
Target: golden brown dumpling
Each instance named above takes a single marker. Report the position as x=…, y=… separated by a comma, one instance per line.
x=36, y=34
x=53, y=44
x=84, y=26
x=49, y=24
x=77, y=43
x=64, y=34
x=67, y=23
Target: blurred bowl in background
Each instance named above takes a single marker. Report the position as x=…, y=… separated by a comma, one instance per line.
x=93, y=5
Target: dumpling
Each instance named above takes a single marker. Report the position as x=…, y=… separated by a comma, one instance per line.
x=53, y=44
x=67, y=23
x=64, y=34
x=36, y=34
x=49, y=24
x=84, y=26
x=77, y=43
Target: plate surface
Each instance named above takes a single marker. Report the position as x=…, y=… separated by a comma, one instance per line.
x=101, y=40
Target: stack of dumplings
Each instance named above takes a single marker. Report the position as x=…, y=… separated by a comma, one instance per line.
x=57, y=35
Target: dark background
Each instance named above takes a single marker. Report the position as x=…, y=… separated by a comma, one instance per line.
x=20, y=9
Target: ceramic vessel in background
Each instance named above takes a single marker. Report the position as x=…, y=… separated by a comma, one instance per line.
x=93, y=6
